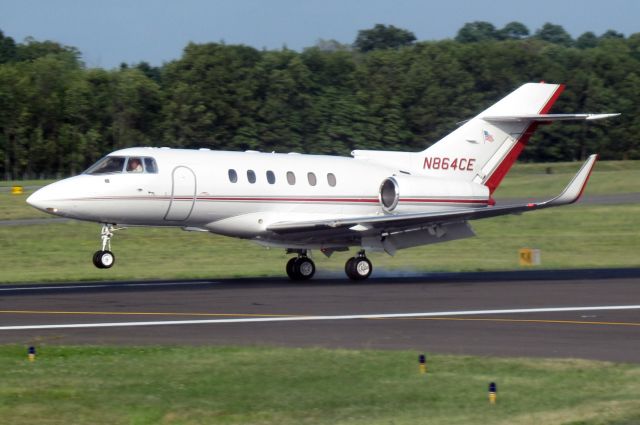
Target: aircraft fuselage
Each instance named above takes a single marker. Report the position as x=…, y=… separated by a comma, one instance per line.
x=240, y=193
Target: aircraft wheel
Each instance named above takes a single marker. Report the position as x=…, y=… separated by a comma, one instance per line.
x=348, y=266
x=104, y=259
x=291, y=269
x=358, y=268
x=96, y=259
x=304, y=268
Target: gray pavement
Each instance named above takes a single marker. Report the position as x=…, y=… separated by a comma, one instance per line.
x=595, y=334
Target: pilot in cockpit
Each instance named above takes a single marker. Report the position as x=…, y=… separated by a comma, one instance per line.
x=134, y=165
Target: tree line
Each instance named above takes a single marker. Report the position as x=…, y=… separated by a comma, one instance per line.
x=385, y=91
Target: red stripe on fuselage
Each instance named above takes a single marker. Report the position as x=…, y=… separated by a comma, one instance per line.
x=280, y=199
x=284, y=199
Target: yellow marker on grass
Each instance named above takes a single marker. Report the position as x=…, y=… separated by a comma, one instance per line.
x=32, y=353
x=493, y=390
x=423, y=364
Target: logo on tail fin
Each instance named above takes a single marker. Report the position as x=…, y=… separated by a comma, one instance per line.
x=486, y=136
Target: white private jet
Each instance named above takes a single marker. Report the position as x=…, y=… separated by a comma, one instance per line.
x=376, y=200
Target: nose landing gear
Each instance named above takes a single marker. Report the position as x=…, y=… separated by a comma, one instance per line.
x=358, y=267
x=301, y=267
x=104, y=258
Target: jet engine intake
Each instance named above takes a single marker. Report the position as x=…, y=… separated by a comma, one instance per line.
x=389, y=194
x=419, y=192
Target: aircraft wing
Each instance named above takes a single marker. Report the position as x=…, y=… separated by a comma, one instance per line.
x=400, y=222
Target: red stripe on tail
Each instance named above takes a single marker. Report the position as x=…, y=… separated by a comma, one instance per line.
x=501, y=171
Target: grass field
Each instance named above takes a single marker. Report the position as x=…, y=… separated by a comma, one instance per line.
x=538, y=180
x=206, y=385
x=574, y=236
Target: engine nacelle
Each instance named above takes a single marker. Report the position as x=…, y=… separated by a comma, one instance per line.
x=401, y=193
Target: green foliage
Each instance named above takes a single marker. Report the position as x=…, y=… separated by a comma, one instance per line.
x=8, y=51
x=57, y=116
x=383, y=37
x=32, y=49
x=514, y=31
x=611, y=34
x=554, y=34
x=477, y=31
x=480, y=31
x=587, y=40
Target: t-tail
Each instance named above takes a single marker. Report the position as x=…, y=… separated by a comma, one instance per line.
x=484, y=148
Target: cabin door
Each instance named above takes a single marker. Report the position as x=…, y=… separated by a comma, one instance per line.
x=183, y=194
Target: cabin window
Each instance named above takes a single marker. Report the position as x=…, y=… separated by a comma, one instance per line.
x=251, y=176
x=107, y=165
x=331, y=179
x=233, y=176
x=271, y=178
x=312, y=179
x=150, y=165
x=291, y=178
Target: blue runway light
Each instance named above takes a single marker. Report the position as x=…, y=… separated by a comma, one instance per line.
x=493, y=390
x=423, y=363
x=32, y=353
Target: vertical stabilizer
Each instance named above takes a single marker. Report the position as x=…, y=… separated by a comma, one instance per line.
x=482, y=151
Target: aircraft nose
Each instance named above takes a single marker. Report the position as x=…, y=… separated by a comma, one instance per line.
x=60, y=198
x=41, y=199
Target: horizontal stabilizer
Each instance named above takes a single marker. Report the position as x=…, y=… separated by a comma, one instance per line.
x=547, y=117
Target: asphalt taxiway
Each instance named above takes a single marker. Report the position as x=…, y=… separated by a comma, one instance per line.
x=578, y=314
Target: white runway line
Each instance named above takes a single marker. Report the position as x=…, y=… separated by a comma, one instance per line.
x=317, y=318
x=105, y=285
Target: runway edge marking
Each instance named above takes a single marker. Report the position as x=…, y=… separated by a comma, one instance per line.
x=320, y=318
x=103, y=285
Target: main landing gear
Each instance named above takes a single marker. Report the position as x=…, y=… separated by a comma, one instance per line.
x=303, y=268
x=104, y=258
x=358, y=267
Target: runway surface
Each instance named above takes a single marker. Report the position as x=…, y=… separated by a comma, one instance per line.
x=580, y=314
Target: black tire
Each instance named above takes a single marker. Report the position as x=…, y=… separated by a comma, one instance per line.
x=106, y=259
x=291, y=272
x=304, y=268
x=96, y=259
x=358, y=268
x=348, y=266
x=363, y=268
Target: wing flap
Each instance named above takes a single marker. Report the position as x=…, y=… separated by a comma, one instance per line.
x=400, y=222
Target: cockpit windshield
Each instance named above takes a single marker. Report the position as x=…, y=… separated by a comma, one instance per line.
x=107, y=165
x=123, y=164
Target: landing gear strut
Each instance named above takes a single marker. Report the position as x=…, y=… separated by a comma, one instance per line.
x=358, y=267
x=301, y=267
x=104, y=258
